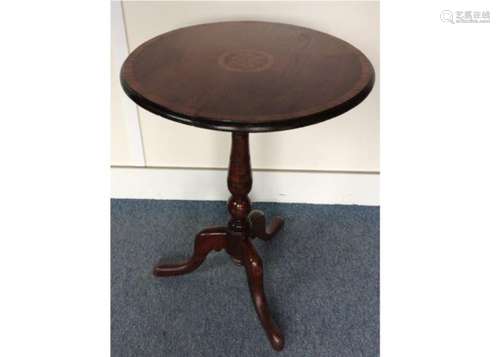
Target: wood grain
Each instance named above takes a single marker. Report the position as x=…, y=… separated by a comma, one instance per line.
x=247, y=76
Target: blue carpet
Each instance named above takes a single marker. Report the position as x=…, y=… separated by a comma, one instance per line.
x=321, y=277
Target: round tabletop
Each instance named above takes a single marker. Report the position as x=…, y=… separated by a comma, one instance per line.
x=247, y=76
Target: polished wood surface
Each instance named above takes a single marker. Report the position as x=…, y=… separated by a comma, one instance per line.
x=247, y=76
x=255, y=273
x=210, y=239
x=235, y=238
x=259, y=229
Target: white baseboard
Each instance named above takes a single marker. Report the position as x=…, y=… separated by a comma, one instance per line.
x=268, y=186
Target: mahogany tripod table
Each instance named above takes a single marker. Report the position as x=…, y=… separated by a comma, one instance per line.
x=245, y=77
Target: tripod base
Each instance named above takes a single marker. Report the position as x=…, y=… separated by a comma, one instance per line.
x=239, y=246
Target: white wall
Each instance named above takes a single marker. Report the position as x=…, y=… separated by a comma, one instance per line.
x=126, y=135
x=349, y=143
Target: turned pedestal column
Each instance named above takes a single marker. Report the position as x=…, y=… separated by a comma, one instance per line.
x=235, y=238
x=245, y=77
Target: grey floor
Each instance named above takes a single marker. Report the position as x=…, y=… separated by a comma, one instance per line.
x=321, y=279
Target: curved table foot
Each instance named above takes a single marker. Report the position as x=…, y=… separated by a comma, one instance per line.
x=209, y=239
x=258, y=225
x=254, y=269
